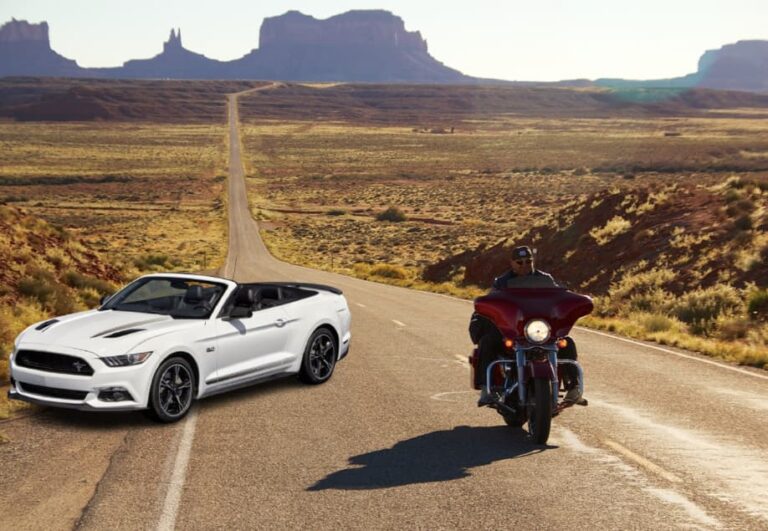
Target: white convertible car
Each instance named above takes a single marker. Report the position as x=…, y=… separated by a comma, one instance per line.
x=166, y=339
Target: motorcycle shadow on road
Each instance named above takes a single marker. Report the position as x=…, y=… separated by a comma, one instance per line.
x=433, y=457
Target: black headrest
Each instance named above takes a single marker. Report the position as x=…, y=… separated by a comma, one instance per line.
x=193, y=294
x=269, y=293
x=244, y=297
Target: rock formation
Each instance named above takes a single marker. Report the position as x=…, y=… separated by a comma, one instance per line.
x=363, y=45
x=25, y=50
x=739, y=66
x=354, y=46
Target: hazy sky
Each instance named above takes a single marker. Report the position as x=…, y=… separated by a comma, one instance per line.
x=511, y=39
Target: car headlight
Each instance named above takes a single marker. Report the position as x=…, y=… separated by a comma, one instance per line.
x=14, y=350
x=125, y=360
x=537, y=331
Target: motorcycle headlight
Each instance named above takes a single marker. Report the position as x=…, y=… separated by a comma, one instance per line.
x=125, y=360
x=537, y=331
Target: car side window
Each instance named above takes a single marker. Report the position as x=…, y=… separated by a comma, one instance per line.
x=267, y=297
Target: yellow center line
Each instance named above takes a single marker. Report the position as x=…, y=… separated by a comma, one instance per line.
x=643, y=462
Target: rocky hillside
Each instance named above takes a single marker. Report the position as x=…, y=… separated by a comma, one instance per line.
x=700, y=236
x=45, y=271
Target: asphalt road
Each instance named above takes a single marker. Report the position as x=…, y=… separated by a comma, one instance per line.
x=394, y=440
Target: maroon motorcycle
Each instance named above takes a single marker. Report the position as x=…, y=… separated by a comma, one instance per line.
x=522, y=334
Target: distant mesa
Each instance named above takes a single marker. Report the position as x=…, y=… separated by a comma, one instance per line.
x=356, y=46
x=739, y=66
x=371, y=46
x=26, y=51
x=362, y=46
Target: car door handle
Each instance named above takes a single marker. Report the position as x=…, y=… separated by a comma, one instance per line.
x=280, y=323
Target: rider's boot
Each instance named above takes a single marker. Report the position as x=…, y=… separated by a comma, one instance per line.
x=486, y=398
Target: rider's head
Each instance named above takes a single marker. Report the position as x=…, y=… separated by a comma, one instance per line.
x=522, y=260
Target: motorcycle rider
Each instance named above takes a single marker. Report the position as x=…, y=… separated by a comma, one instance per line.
x=521, y=264
x=489, y=340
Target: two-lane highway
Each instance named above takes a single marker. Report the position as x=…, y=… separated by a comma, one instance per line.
x=395, y=440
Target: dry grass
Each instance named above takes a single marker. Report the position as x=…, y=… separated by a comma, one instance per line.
x=93, y=205
x=320, y=185
x=131, y=191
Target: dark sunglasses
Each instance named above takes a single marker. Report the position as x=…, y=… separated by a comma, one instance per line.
x=521, y=262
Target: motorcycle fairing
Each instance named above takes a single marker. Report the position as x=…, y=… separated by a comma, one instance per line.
x=510, y=309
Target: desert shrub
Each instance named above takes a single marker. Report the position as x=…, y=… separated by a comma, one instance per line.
x=615, y=226
x=757, y=304
x=654, y=322
x=42, y=286
x=39, y=284
x=633, y=284
x=702, y=307
x=653, y=301
x=57, y=257
x=743, y=222
x=392, y=214
x=388, y=271
x=149, y=261
x=80, y=281
x=732, y=195
x=732, y=328
x=90, y=297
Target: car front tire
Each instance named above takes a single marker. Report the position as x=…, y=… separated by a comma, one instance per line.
x=320, y=357
x=173, y=389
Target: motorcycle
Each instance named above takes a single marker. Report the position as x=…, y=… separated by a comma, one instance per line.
x=527, y=326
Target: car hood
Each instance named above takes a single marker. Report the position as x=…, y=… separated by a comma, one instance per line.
x=103, y=333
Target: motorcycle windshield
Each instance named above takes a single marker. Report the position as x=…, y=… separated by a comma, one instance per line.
x=529, y=298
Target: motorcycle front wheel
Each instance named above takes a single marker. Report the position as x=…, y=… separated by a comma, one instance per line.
x=540, y=410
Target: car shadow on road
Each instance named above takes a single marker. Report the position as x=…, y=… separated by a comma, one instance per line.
x=438, y=456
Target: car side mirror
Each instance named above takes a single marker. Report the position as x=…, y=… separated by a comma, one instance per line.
x=103, y=300
x=240, y=312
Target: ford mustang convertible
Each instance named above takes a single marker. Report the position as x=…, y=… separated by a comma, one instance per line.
x=167, y=339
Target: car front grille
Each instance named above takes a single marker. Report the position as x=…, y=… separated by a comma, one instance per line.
x=52, y=391
x=50, y=362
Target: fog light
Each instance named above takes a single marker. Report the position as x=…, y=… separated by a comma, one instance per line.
x=114, y=394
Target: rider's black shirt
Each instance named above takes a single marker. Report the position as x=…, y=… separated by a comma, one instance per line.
x=501, y=282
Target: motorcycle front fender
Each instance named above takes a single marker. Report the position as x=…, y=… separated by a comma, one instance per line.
x=540, y=369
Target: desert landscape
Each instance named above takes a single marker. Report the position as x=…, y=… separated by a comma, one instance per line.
x=378, y=168
x=653, y=202
x=109, y=181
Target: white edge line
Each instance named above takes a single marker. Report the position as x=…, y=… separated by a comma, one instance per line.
x=398, y=323
x=167, y=521
x=668, y=351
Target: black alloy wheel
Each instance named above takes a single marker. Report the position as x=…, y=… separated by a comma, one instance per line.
x=319, y=357
x=173, y=389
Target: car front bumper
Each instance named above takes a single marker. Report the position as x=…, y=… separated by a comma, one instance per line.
x=56, y=389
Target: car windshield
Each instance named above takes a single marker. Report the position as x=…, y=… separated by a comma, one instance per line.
x=177, y=297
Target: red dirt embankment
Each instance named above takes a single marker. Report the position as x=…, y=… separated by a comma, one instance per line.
x=703, y=235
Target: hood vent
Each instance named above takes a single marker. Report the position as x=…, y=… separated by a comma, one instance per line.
x=43, y=326
x=125, y=332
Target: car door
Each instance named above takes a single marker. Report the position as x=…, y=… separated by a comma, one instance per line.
x=251, y=347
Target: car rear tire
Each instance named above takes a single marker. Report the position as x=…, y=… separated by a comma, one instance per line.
x=173, y=390
x=320, y=357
